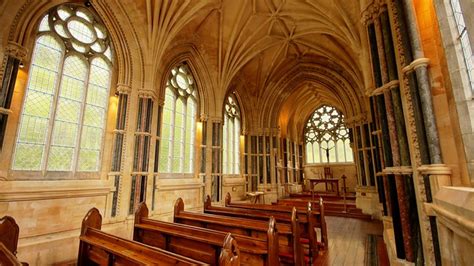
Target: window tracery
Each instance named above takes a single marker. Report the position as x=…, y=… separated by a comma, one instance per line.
x=231, y=136
x=64, y=111
x=179, y=122
x=326, y=137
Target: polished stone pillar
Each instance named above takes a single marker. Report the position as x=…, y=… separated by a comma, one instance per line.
x=14, y=54
x=118, y=146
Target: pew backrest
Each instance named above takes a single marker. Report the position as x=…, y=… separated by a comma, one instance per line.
x=9, y=232
x=202, y=244
x=98, y=247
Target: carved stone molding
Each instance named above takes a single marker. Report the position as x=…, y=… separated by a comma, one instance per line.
x=203, y=117
x=16, y=50
x=123, y=89
x=5, y=111
x=146, y=93
x=398, y=170
x=417, y=63
x=386, y=87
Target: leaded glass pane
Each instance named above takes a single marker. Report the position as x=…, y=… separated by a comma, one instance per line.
x=78, y=100
x=38, y=103
x=231, y=136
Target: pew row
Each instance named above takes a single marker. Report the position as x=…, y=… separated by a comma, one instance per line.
x=204, y=244
x=312, y=214
x=99, y=248
x=306, y=221
x=288, y=235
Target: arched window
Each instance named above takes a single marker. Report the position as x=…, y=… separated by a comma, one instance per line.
x=327, y=138
x=64, y=110
x=179, y=122
x=231, y=137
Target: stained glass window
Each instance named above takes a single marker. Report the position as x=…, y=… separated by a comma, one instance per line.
x=63, y=116
x=179, y=122
x=327, y=138
x=231, y=137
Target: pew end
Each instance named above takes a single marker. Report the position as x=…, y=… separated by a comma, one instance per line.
x=273, y=242
x=178, y=207
x=93, y=219
x=230, y=254
x=9, y=233
x=207, y=203
x=141, y=212
x=228, y=199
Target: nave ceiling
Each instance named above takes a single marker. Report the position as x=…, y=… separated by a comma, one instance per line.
x=276, y=54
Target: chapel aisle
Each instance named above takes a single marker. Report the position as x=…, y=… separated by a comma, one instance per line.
x=347, y=241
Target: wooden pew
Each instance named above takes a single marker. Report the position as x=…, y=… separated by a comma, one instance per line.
x=312, y=213
x=9, y=233
x=201, y=243
x=306, y=220
x=98, y=247
x=319, y=206
x=240, y=226
x=7, y=258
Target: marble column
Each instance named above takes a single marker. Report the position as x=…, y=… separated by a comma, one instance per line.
x=14, y=54
x=123, y=92
x=420, y=65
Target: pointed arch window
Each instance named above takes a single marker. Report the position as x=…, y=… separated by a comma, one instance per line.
x=64, y=111
x=231, y=137
x=327, y=138
x=179, y=122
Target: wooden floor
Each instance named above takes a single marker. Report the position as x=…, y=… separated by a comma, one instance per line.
x=347, y=240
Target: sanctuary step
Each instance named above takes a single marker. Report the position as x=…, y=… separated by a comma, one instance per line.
x=332, y=208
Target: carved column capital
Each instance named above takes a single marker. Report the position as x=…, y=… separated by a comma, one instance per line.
x=16, y=50
x=203, y=117
x=123, y=89
x=146, y=93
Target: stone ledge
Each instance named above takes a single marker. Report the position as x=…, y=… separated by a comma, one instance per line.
x=57, y=189
x=454, y=207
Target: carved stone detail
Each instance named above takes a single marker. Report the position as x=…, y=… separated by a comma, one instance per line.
x=16, y=50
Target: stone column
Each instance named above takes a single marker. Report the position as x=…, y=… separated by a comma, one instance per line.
x=122, y=92
x=420, y=65
x=14, y=55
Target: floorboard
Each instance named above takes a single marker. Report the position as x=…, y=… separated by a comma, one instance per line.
x=347, y=240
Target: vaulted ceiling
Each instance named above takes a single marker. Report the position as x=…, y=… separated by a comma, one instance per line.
x=284, y=58
x=276, y=54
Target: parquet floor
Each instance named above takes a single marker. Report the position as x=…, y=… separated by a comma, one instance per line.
x=347, y=240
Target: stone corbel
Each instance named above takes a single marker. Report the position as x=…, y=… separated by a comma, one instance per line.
x=439, y=175
x=419, y=62
x=123, y=89
x=16, y=50
x=5, y=111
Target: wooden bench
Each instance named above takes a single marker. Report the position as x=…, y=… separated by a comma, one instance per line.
x=242, y=226
x=203, y=244
x=309, y=217
x=98, y=247
x=306, y=221
x=7, y=258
